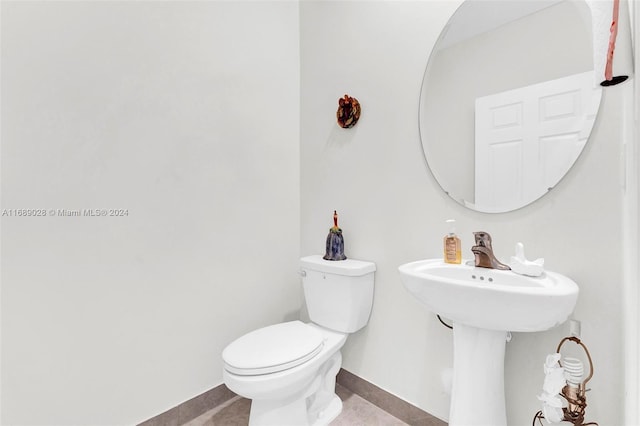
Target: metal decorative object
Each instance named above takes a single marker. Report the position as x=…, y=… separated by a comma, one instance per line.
x=576, y=397
x=348, y=112
x=335, y=242
x=483, y=252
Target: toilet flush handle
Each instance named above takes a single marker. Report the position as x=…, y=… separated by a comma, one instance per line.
x=302, y=273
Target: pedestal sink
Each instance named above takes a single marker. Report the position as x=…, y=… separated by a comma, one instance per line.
x=484, y=304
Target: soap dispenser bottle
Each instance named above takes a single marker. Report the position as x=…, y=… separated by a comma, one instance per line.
x=452, y=246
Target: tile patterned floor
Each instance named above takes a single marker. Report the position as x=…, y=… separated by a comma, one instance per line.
x=356, y=411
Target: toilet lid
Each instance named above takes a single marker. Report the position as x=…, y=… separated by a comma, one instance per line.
x=272, y=349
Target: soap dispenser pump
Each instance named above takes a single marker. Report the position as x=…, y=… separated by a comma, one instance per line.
x=452, y=246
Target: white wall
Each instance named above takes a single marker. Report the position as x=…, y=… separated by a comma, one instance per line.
x=632, y=244
x=392, y=210
x=176, y=111
x=186, y=114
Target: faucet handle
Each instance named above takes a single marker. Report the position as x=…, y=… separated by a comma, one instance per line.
x=483, y=239
x=483, y=252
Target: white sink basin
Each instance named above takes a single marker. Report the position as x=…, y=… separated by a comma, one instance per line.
x=484, y=304
x=491, y=299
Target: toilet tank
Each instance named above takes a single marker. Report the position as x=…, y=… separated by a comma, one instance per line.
x=338, y=293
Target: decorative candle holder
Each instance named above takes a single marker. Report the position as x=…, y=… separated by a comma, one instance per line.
x=335, y=242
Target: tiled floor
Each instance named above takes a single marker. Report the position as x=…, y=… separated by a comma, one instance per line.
x=356, y=411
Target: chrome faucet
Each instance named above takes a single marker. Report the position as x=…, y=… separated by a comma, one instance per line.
x=483, y=252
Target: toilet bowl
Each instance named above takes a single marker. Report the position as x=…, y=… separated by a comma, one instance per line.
x=279, y=396
x=288, y=370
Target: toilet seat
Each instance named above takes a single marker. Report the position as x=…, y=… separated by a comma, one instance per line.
x=272, y=349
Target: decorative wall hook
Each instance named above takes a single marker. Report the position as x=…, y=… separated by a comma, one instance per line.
x=609, y=78
x=605, y=21
x=574, y=395
x=348, y=112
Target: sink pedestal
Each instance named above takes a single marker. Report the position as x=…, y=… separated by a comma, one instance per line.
x=477, y=393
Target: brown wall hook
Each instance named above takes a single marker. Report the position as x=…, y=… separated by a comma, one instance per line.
x=348, y=112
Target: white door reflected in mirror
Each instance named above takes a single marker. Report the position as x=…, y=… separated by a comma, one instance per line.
x=528, y=138
x=492, y=49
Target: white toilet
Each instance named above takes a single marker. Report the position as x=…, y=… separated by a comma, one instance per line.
x=289, y=370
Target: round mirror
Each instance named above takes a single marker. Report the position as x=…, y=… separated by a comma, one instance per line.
x=508, y=100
